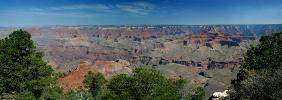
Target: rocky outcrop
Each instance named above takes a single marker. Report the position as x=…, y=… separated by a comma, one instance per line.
x=219, y=95
x=164, y=61
x=210, y=64
x=73, y=79
x=159, y=45
x=209, y=39
x=219, y=65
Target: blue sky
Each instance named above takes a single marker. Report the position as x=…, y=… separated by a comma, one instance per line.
x=115, y=12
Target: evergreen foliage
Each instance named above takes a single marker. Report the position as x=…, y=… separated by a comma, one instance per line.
x=143, y=84
x=22, y=70
x=260, y=75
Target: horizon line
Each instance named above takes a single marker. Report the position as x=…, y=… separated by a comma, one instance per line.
x=73, y=25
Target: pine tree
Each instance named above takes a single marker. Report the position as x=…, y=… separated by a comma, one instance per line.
x=21, y=66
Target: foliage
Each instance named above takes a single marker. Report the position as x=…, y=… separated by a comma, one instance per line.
x=53, y=93
x=94, y=82
x=27, y=95
x=199, y=93
x=23, y=73
x=260, y=76
x=78, y=95
x=122, y=86
x=180, y=83
x=143, y=84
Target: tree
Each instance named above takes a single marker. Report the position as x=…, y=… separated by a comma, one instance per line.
x=78, y=95
x=260, y=75
x=94, y=82
x=21, y=66
x=144, y=84
x=199, y=93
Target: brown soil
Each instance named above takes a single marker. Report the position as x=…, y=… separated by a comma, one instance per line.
x=74, y=79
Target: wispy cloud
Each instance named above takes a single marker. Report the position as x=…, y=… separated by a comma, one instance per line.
x=87, y=10
x=96, y=7
x=137, y=8
x=140, y=8
x=40, y=12
x=62, y=14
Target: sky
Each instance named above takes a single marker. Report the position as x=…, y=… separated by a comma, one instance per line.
x=134, y=12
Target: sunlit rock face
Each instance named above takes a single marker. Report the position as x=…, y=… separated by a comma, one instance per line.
x=73, y=79
x=65, y=46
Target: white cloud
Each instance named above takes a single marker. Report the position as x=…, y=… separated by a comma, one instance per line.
x=87, y=10
x=132, y=9
x=47, y=13
x=139, y=8
x=97, y=7
x=36, y=9
x=145, y=5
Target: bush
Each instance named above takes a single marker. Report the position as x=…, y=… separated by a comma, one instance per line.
x=94, y=82
x=260, y=75
x=199, y=93
x=143, y=84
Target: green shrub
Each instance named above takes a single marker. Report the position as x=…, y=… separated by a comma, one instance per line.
x=260, y=75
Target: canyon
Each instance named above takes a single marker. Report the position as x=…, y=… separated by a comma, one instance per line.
x=206, y=55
